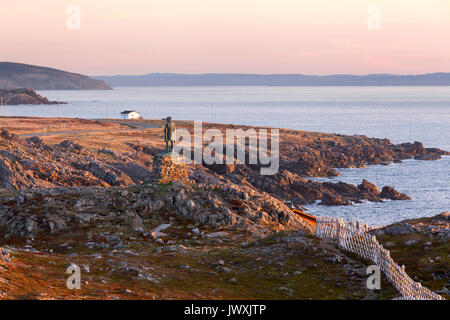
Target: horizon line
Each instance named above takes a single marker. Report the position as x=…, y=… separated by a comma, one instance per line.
x=270, y=74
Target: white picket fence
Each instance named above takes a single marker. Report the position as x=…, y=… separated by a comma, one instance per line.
x=353, y=236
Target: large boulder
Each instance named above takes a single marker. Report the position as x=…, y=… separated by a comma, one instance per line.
x=390, y=193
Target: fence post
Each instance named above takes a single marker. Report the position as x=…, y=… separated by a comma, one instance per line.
x=338, y=232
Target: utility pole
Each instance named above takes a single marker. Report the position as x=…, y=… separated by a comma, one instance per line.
x=107, y=112
x=58, y=109
x=3, y=105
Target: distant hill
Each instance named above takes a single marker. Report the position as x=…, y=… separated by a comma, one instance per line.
x=18, y=75
x=230, y=79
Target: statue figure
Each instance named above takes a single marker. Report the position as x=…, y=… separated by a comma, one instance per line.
x=170, y=132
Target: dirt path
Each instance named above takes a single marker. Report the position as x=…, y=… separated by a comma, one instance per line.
x=131, y=125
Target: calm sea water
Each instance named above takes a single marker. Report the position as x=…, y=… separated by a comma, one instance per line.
x=398, y=113
x=426, y=182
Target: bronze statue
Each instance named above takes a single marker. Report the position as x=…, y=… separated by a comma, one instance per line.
x=170, y=132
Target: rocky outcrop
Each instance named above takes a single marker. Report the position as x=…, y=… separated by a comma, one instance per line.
x=319, y=154
x=300, y=191
x=32, y=164
x=368, y=187
x=346, y=194
x=24, y=96
x=390, y=193
x=31, y=212
x=332, y=200
x=18, y=75
x=422, y=246
x=437, y=227
x=309, y=154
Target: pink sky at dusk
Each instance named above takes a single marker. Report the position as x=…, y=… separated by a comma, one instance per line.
x=228, y=36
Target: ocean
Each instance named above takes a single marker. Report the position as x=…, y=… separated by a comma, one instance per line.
x=401, y=114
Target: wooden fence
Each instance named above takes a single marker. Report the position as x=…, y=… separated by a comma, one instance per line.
x=353, y=236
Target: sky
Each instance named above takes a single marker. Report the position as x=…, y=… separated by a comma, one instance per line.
x=228, y=36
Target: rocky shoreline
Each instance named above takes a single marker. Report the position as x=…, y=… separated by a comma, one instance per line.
x=31, y=163
x=25, y=96
x=224, y=226
x=33, y=173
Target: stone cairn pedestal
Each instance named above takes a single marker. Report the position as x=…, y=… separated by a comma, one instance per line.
x=165, y=170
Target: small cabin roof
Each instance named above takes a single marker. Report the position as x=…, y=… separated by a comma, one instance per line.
x=128, y=111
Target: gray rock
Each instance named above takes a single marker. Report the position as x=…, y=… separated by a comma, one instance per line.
x=411, y=242
x=131, y=253
x=162, y=227
x=218, y=234
x=220, y=262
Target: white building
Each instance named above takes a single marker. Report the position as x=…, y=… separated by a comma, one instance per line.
x=133, y=114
